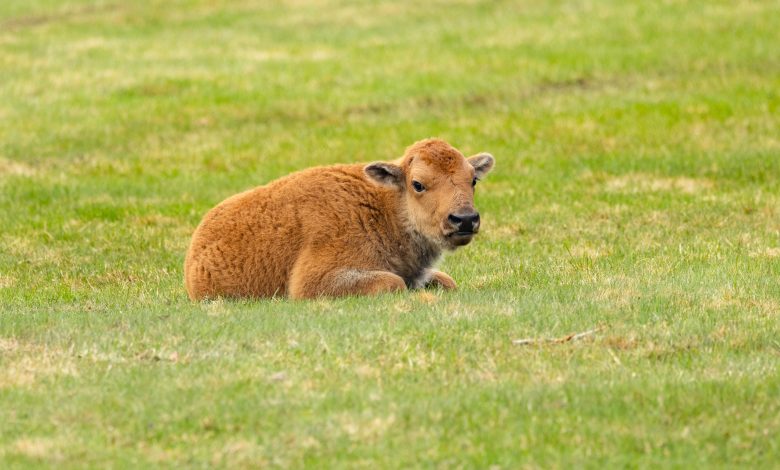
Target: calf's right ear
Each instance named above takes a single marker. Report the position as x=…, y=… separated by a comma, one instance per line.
x=482, y=163
x=386, y=174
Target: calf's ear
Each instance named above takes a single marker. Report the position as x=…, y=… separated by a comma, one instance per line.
x=386, y=174
x=482, y=163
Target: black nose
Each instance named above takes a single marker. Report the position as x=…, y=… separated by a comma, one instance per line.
x=466, y=222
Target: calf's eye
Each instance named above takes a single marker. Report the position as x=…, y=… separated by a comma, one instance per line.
x=474, y=182
x=418, y=186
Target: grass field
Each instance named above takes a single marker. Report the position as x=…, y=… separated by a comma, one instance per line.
x=637, y=189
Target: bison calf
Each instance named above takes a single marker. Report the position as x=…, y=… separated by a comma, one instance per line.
x=340, y=230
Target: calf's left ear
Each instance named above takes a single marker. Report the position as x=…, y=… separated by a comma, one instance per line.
x=482, y=163
x=386, y=174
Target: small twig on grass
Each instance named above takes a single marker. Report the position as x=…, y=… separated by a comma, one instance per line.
x=563, y=339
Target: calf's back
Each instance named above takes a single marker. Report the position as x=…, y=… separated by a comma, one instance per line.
x=247, y=245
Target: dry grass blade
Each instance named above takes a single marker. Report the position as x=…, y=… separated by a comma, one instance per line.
x=563, y=339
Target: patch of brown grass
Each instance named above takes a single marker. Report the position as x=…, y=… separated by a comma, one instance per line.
x=621, y=342
x=240, y=453
x=772, y=252
x=23, y=365
x=6, y=281
x=12, y=168
x=633, y=183
x=38, y=448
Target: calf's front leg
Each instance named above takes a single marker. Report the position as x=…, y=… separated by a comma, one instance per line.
x=313, y=277
x=440, y=279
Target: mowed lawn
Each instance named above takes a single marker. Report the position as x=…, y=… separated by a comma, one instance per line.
x=636, y=190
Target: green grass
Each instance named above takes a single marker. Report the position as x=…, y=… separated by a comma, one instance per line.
x=637, y=188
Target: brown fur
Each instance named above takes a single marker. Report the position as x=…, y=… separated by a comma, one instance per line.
x=337, y=230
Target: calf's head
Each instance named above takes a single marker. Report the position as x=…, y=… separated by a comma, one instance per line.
x=438, y=185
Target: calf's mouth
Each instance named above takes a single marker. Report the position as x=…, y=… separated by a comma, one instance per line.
x=460, y=238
